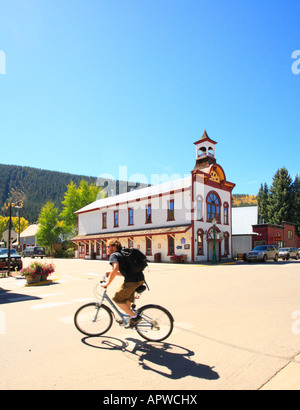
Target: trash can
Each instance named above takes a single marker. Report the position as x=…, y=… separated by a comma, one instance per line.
x=157, y=257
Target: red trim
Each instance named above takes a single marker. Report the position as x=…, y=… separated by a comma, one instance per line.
x=204, y=140
x=179, y=190
x=193, y=217
x=131, y=234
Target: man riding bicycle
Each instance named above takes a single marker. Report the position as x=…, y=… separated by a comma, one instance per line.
x=124, y=297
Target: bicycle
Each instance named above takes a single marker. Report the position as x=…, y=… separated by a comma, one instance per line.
x=96, y=318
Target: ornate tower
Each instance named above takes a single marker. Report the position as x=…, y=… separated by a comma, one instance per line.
x=205, y=152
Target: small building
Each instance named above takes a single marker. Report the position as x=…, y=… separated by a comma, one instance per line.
x=283, y=235
x=243, y=218
x=28, y=237
x=189, y=217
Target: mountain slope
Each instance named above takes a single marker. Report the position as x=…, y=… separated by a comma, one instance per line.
x=37, y=186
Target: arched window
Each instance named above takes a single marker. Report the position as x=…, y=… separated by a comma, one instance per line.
x=213, y=207
x=226, y=213
x=199, y=208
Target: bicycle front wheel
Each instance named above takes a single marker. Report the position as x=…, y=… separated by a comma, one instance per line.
x=156, y=324
x=92, y=320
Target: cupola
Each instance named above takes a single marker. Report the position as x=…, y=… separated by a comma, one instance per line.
x=205, y=152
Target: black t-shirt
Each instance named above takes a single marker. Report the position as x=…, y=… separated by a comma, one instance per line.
x=124, y=268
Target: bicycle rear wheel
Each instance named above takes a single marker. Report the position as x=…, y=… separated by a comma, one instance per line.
x=92, y=320
x=156, y=324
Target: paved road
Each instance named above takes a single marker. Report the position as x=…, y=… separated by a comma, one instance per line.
x=236, y=327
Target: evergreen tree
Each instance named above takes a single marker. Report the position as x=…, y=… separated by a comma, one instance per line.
x=263, y=202
x=279, y=207
x=295, y=211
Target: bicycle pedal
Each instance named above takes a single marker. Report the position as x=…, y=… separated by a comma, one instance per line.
x=120, y=322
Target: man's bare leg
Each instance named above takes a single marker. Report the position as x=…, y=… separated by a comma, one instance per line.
x=127, y=308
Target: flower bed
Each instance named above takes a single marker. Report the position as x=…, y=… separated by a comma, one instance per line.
x=37, y=272
x=178, y=258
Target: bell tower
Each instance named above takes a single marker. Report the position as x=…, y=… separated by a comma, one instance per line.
x=205, y=152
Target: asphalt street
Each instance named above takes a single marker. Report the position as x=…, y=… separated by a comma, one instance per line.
x=237, y=327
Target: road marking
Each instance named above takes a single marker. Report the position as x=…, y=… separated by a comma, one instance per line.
x=83, y=300
x=48, y=295
x=92, y=274
x=68, y=320
x=181, y=326
x=49, y=305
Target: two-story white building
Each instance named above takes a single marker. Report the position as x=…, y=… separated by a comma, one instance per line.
x=190, y=216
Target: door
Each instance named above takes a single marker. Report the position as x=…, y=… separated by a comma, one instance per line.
x=81, y=250
x=211, y=250
x=104, y=254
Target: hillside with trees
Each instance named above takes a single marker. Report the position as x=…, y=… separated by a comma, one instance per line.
x=34, y=187
x=239, y=200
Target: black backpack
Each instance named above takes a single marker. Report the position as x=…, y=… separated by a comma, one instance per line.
x=136, y=260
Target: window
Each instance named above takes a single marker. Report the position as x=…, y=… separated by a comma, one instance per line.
x=290, y=235
x=171, y=210
x=130, y=243
x=130, y=216
x=148, y=246
x=200, y=235
x=226, y=213
x=170, y=245
x=104, y=220
x=226, y=243
x=213, y=207
x=199, y=208
x=148, y=214
x=116, y=219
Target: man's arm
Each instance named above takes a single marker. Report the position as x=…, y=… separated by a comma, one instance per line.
x=112, y=274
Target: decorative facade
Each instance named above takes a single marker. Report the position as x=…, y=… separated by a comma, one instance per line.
x=190, y=217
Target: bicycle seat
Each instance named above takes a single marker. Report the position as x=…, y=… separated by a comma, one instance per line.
x=141, y=289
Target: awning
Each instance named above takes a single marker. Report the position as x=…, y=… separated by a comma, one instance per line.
x=130, y=234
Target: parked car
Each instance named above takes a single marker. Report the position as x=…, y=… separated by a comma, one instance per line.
x=15, y=259
x=287, y=253
x=262, y=253
x=34, y=252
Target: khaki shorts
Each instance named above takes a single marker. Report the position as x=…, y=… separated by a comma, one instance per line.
x=126, y=292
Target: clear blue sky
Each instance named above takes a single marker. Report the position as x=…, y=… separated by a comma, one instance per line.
x=91, y=85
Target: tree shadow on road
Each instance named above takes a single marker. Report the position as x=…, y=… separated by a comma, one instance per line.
x=167, y=359
x=7, y=296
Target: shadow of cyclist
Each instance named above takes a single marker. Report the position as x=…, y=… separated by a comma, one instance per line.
x=167, y=359
x=171, y=361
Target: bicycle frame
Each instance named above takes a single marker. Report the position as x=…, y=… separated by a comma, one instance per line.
x=105, y=296
x=154, y=318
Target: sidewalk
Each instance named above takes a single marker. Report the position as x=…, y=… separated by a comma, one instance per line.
x=286, y=379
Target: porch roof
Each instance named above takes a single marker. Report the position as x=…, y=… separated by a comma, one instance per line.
x=131, y=234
